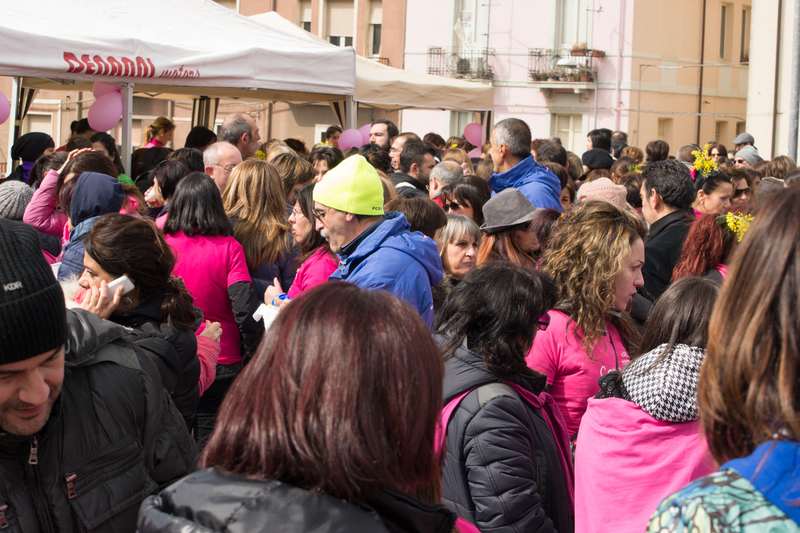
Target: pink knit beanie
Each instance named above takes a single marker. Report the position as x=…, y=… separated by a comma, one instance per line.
x=604, y=189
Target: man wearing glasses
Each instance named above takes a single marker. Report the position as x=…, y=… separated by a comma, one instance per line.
x=220, y=159
x=376, y=250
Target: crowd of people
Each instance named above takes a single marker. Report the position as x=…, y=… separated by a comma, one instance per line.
x=530, y=340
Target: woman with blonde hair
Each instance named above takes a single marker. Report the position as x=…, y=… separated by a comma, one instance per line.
x=596, y=259
x=459, y=156
x=159, y=133
x=256, y=205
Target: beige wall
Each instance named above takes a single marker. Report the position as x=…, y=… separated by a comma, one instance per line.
x=669, y=34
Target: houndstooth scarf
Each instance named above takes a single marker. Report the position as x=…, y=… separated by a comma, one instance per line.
x=667, y=392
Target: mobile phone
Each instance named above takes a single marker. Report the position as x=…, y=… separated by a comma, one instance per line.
x=122, y=281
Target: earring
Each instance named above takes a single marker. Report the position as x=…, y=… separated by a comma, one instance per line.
x=127, y=302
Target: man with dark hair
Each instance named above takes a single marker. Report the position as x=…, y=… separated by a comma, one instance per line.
x=619, y=138
x=383, y=133
x=423, y=214
x=397, y=147
x=514, y=166
x=241, y=131
x=599, y=138
x=87, y=429
x=416, y=164
x=551, y=152
x=332, y=135
x=191, y=157
x=667, y=196
x=79, y=128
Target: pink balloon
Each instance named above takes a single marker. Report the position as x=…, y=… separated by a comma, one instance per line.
x=475, y=153
x=350, y=139
x=473, y=132
x=5, y=108
x=101, y=88
x=106, y=112
x=364, y=130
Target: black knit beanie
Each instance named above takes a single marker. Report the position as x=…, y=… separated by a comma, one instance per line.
x=32, y=310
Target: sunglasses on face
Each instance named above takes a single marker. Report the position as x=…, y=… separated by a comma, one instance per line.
x=741, y=192
x=739, y=161
x=453, y=206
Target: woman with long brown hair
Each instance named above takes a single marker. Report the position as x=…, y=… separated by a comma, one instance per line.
x=747, y=393
x=596, y=259
x=329, y=428
x=709, y=245
x=256, y=205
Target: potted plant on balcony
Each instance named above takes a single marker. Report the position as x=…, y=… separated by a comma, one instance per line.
x=578, y=49
x=585, y=76
x=597, y=53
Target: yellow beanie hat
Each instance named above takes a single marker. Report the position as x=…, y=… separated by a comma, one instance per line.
x=352, y=187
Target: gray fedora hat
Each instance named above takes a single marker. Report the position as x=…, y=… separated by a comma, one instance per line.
x=505, y=209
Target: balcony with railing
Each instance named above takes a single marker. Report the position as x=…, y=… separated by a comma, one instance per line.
x=564, y=68
x=461, y=62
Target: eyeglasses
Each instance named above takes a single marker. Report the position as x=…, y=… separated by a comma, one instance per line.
x=741, y=192
x=319, y=214
x=739, y=161
x=297, y=213
x=229, y=168
x=544, y=321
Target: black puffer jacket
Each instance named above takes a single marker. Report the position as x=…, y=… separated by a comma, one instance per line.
x=113, y=437
x=147, y=328
x=210, y=501
x=502, y=471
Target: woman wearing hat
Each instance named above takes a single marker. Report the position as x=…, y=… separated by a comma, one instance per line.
x=508, y=230
x=29, y=148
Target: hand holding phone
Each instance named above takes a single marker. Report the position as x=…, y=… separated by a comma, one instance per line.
x=122, y=281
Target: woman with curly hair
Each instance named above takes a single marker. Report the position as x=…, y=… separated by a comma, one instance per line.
x=747, y=393
x=596, y=259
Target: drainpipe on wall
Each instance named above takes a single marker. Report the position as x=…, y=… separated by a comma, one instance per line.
x=777, y=75
x=700, y=88
x=619, y=63
x=794, y=94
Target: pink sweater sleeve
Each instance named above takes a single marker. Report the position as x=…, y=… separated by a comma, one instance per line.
x=41, y=211
x=208, y=353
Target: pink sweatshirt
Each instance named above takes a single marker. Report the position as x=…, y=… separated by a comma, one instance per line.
x=626, y=462
x=314, y=271
x=558, y=353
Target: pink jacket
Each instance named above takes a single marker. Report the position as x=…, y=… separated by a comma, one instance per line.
x=208, y=353
x=314, y=271
x=626, y=462
x=41, y=212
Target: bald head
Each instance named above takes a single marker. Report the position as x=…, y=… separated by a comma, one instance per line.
x=241, y=131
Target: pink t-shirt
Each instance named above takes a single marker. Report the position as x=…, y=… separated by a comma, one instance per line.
x=208, y=266
x=626, y=462
x=314, y=271
x=573, y=376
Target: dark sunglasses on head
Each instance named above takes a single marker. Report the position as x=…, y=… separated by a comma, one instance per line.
x=741, y=192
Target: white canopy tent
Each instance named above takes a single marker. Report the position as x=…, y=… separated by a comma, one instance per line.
x=171, y=48
x=392, y=88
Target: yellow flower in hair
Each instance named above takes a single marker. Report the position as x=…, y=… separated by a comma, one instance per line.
x=739, y=224
x=703, y=163
x=261, y=155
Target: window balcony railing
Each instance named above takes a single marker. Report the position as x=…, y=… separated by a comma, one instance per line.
x=461, y=62
x=381, y=60
x=577, y=65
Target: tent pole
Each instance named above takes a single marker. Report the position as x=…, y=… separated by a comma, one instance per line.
x=127, y=126
x=12, y=121
x=350, y=113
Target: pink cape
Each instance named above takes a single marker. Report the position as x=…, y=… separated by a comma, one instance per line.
x=626, y=462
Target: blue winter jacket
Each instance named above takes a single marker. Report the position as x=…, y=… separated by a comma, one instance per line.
x=535, y=181
x=394, y=259
x=95, y=195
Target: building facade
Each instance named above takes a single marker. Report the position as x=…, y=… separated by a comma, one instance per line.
x=675, y=71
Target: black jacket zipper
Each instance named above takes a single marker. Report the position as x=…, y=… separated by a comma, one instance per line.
x=37, y=490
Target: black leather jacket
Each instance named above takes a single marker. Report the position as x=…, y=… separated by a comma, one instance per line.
x=210, y=501
x=113, y=437
x=502, y=471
